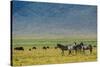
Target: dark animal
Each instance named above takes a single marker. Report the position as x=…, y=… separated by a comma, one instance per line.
x=62, y=47
x=44, y=47
x=33, y=47
x=48, y=47
x=18, y=48
x=29, y=49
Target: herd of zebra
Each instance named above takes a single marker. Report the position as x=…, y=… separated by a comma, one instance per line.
x=77, y=48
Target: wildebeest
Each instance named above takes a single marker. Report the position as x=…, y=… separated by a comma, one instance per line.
x=33, y=47
x=18, y=48
x=44, y=48
x=48, y=47
x=29, y=49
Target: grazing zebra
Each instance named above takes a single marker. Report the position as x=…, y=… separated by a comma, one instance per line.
x=87, y=47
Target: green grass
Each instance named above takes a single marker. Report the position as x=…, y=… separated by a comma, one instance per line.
x=50, y=42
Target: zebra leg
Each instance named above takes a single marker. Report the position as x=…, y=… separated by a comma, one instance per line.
x=90, y=48
x=91, y=51
x=69, y=52
x=62, y=52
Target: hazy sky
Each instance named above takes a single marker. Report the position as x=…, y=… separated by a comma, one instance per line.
x=53, y=20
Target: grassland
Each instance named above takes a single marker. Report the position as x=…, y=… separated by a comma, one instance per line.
x=51, y=55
